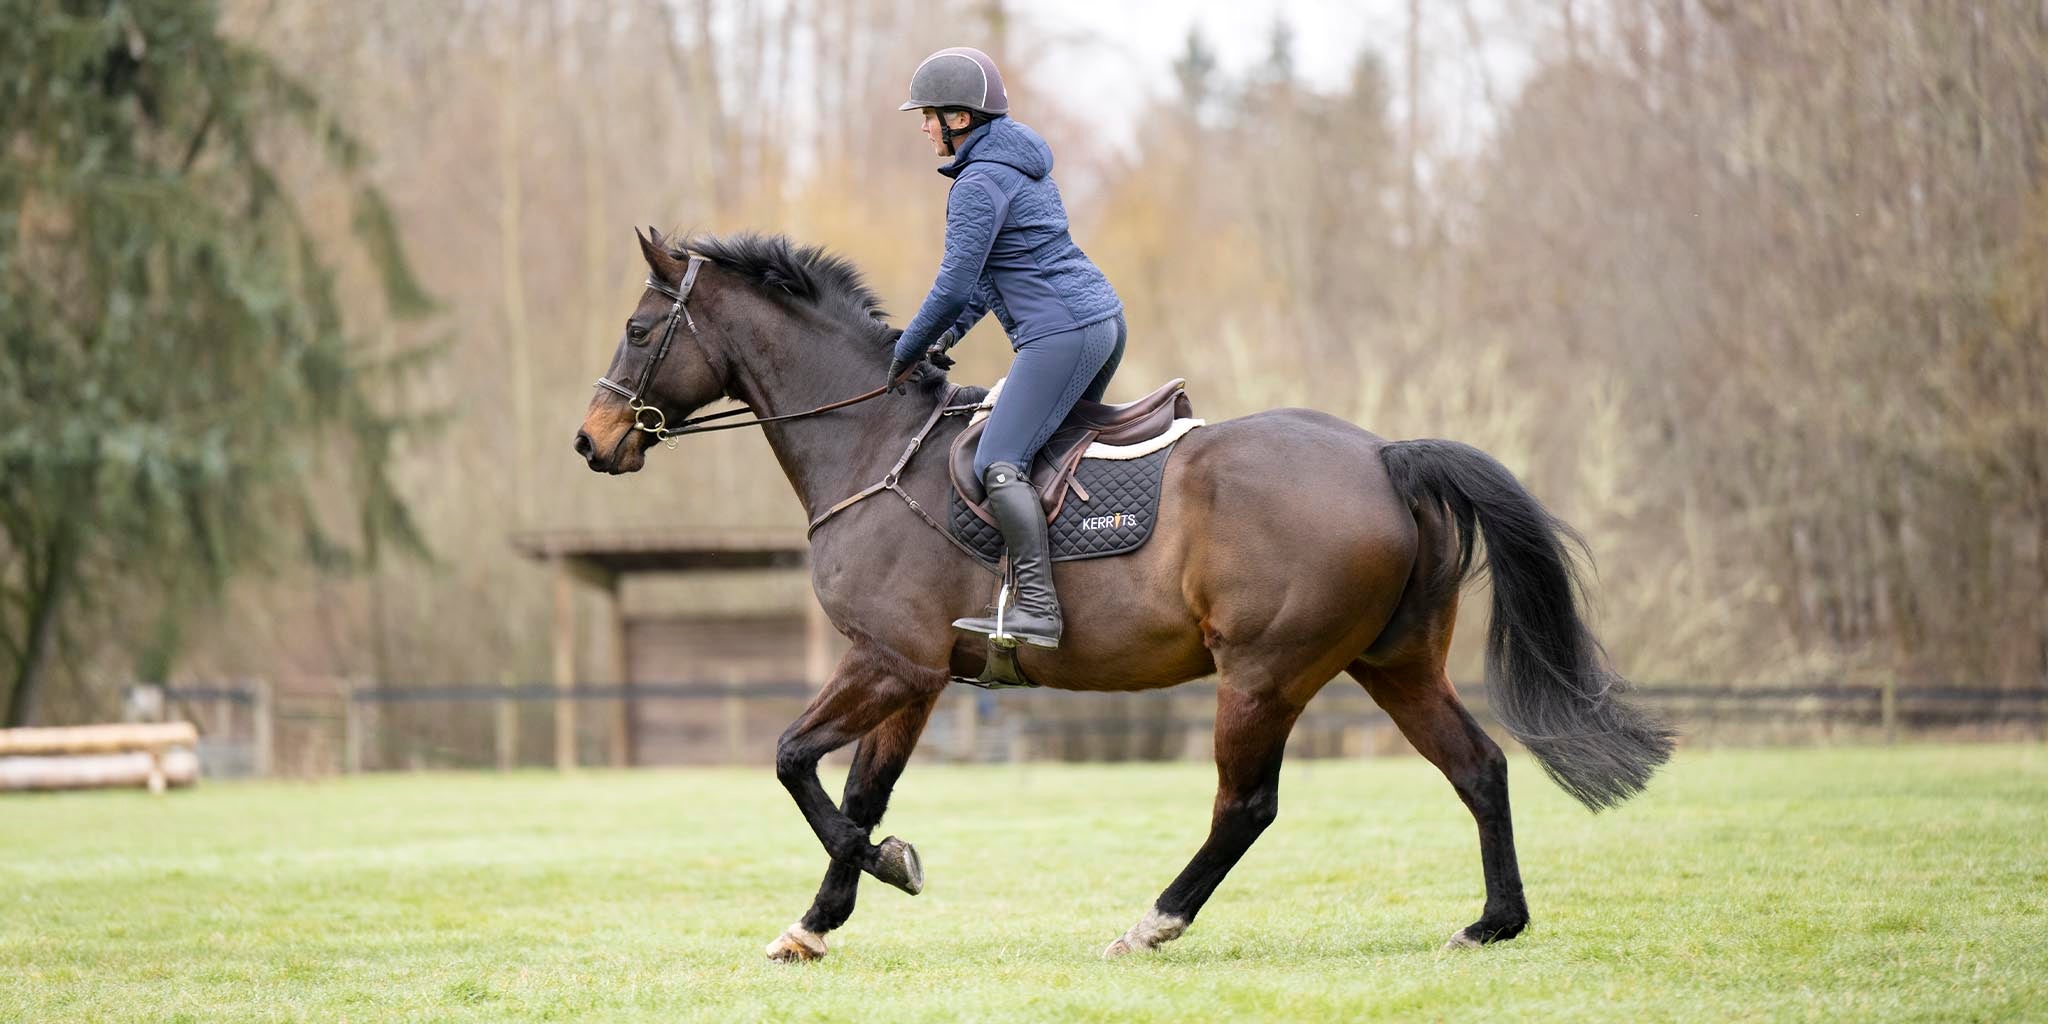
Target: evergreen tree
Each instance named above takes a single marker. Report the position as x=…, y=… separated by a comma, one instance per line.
x=180, y=396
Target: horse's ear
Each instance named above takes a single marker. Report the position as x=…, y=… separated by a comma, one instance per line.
x=658, y=261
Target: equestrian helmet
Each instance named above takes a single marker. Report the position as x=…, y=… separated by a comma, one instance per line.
x=958, y=76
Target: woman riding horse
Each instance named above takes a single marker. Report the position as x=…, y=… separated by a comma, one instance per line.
x=1292, y=546
x=1008, y=251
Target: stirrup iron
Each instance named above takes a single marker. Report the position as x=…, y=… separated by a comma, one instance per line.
x=1001, y=637
x=1000, y=671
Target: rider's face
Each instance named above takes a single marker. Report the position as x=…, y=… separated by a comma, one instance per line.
x=932, y=130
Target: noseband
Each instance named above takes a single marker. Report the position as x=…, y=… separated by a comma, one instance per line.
x=635, y=396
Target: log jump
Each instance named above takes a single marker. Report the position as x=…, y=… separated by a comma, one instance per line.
x=157, y=755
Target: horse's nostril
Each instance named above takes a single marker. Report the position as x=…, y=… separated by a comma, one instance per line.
x=584, y=447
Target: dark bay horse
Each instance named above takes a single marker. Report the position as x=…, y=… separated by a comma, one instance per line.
x=1290, y=546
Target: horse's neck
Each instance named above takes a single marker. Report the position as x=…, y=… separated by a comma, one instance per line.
x=829, y=456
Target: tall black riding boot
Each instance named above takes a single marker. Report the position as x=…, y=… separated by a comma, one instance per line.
x=1033, y=615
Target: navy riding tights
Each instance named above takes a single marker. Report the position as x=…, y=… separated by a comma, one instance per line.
x=1047, y=377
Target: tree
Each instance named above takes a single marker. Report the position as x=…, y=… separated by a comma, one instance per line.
x=1793, y=233
x=1195, y=70
x=180, y=396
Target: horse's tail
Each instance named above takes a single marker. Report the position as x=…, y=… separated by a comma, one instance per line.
x=1547, y=677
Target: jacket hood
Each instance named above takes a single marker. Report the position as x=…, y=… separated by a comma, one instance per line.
x=1004, y=141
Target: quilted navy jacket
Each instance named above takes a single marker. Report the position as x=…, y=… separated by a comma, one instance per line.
x=1007, y=247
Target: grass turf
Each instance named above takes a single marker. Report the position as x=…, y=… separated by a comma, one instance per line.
x=1853, y=884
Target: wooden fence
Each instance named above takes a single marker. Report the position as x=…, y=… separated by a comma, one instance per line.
x=505, y=726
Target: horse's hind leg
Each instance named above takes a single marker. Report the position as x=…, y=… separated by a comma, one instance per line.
x=1419, y=698
x=878, y=762
x=1251, y=736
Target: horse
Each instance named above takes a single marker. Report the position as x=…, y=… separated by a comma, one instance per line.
x=1289, y=546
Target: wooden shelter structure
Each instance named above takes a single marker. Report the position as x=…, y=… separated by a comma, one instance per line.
x=655, y=655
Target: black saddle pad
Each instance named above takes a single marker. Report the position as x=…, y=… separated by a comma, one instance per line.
x=1123, y=502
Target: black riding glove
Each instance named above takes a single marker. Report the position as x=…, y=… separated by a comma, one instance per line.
x=937, y=356
x=896, y=368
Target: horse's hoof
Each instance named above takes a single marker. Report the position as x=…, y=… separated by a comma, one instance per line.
x=896, y=863
x=1152, y=931
x=1488, y=930
x=797, y=945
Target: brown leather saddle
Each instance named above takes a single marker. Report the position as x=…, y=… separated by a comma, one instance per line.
x=1052, y=470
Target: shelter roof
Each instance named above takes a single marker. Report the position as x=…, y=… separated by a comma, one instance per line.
x=667, y=549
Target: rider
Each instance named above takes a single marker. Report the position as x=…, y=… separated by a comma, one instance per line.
x=1007, y=250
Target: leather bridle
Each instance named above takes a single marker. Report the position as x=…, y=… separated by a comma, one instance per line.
x=676, y=313
x=635, y=396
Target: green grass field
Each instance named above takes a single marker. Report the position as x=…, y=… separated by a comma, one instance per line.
x=1820, y=884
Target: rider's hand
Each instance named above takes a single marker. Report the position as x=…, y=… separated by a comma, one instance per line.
x=937, y=356
x=896, y=369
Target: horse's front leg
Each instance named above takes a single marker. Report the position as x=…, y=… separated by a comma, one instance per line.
x=871, y=684
x=877, y=763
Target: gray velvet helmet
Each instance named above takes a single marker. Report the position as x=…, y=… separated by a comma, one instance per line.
x=958, y=76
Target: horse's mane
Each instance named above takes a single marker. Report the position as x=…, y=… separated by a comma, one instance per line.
x=809, y=273
x=806, y=272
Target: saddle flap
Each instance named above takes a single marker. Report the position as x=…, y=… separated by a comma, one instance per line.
x=1052, y=470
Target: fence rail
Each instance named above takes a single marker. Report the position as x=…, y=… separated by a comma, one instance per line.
x=359, y=726
x=548, y=692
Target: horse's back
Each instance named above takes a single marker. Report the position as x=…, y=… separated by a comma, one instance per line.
x=1290, y=512
x=1286, y=452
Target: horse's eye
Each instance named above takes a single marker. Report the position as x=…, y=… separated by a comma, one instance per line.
x=637, y=334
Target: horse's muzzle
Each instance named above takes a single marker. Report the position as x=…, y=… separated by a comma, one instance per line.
x=622, y=456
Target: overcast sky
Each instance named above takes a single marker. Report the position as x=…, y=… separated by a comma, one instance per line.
x=1110, y=48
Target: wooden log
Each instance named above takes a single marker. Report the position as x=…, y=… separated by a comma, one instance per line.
x=97, y=739
x=175, y=767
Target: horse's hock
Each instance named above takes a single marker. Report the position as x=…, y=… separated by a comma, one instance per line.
x=157, y=755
